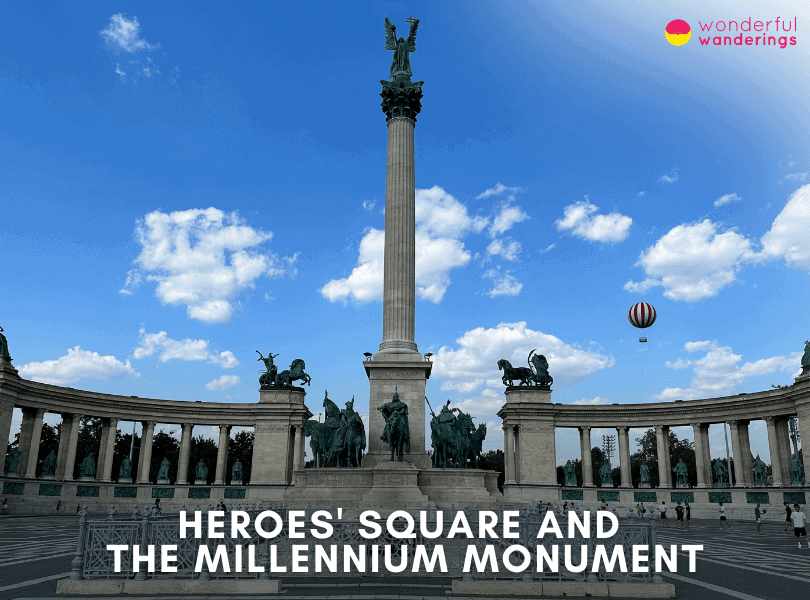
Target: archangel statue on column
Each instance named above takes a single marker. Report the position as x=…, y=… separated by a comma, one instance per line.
x=401, y=65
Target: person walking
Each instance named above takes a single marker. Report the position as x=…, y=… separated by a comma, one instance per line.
x=758, y=516
x=788, y=520
x=688, y=511
x=641, y=510
x=799, y=525
x=679, y=515
x=723, y=517
x=662, y=508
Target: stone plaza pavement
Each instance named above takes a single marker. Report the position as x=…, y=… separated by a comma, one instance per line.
x=36, y=551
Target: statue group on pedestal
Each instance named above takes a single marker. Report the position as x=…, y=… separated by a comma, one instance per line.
x=272, y=377
x=455, y=439
x=535, y=374
x=342, y=436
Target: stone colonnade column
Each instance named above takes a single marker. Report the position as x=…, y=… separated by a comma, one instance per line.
x=624, y=457
x=662, y=449
x=803, y=413
x=745, y=446
x=33, y=446
x=29, y=415
x=145, y=453
x=185, y=449
x=109, y=431
x=222, y=454
x=72, y=445
x=737, y=452
x=399, y=287
x=585, y=456
x=700, y=455
x=6, y=413
x=785, y=451
x=64, y=440
x=776, y=455
x=298, y=448
x=509, y=454
x=707, y=455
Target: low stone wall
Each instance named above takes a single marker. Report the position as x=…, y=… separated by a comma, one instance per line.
x=560, y=589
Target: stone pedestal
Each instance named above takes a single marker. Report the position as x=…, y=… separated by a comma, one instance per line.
x=236, y=482
x=47, y=477
x=125, y=480
x=273, y=441
x=85, y=479
x=163, y=482
x=395, y=484
x=528, y=416
x=200, y=482
x=683, y=486
x=646, y=484
x=407, y=374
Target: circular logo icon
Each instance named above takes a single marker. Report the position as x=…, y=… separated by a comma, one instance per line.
x=678, y=32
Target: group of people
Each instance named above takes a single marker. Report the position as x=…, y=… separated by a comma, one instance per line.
x=683, y=513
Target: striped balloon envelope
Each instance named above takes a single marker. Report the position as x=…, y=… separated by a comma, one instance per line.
x=641, y=315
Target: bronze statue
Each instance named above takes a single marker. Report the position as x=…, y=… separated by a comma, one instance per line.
x=49, y=464
x=126, y=468
x=163, y=472
x=681, y=473
x=236, y=471
x=536, y=373
x=805, y=357
x=4, y=346
x=645, y=473
x=341, y=436
x=201, y=471
x=606, y=474
x=401, y=64
x=268, y=376
x=13, y=460
x=397, y=432
x=88, y=467
x=760, y=471
x=720, y=471
x=796, y=471
x=570, y=474
x=540, y=364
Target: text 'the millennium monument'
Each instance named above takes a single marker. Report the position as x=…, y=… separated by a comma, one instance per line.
x=398, y=366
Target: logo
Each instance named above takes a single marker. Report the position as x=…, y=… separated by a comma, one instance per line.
x=678, y=32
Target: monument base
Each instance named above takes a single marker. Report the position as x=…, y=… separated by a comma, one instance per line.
x=125, y=480
x=163, y=482
x=395, y=486
x=200, y=482
x=527, y=492
x=236, y=482
x=723, y=484
x=683, y=486
x=646, y=484
x=83, y=479
x=47, y=477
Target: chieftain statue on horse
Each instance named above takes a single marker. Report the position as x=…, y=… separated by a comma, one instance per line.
x=455, y=439
x=342, y=436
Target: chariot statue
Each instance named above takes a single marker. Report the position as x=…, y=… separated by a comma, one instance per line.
x=535, y=374
x=805, y=357
x=272, y=377
x=4, y=346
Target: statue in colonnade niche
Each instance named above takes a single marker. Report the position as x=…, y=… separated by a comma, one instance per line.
x=681, y=474
x=201, y=471
x=163, y=472
x=721, y=473
x=49, y=464
x=125, y=472
x=13, y=461
x=570, y=474
x=645, y=473
x=606, y=474
x=88, y=467
x=760, y=471
x=796, y=471
x=236, y=471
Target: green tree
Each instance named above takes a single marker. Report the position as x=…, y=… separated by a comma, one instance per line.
x=648, y=452
x=89, y=440
x=241, y=447
x=493, y=461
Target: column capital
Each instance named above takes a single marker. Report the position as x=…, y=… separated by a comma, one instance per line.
x=584, y=427
x=148, y=424
x=771, y=419
x=401, y=99
x=187, y=426
x=623, y=429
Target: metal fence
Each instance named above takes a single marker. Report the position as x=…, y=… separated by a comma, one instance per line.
x=94, y=561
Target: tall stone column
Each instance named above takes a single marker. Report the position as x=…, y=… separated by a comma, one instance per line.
x=72, y=445
x=745, y=447
x=64, y=439
x=298, y=448
x=624, y=457
x=737, y=453
x=776, y=455
x=785, y=451
x=185, y=449
x=509, y=455
x=33, y=447
x=222, y=454
x=145, y=454
x=109, y=430
x=585, y=456
x=700, y=455
x=662, y=447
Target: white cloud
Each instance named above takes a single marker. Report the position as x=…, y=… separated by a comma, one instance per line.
x=581, y=222
x=507, y=248
x=640, y=194
x=796, y=177
x=369, y=205
x=122, y=34
x=441, y=221
x=508, y=216
x=474, y=362
x=592, y=401
x=727, y=199
x=788, y=236
x=549, y=247
x=187, y=349
x=120, y=73
x=77, y=364
x=499, y=190
x=718, y=373
x=202, y=258
x=504, y=284
x=223, y=383
x=692, y=262
x=671, y=178
x=679, y=364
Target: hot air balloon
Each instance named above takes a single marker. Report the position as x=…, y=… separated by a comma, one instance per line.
x=641, y=315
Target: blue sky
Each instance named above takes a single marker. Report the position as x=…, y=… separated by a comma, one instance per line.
x=185, y=184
